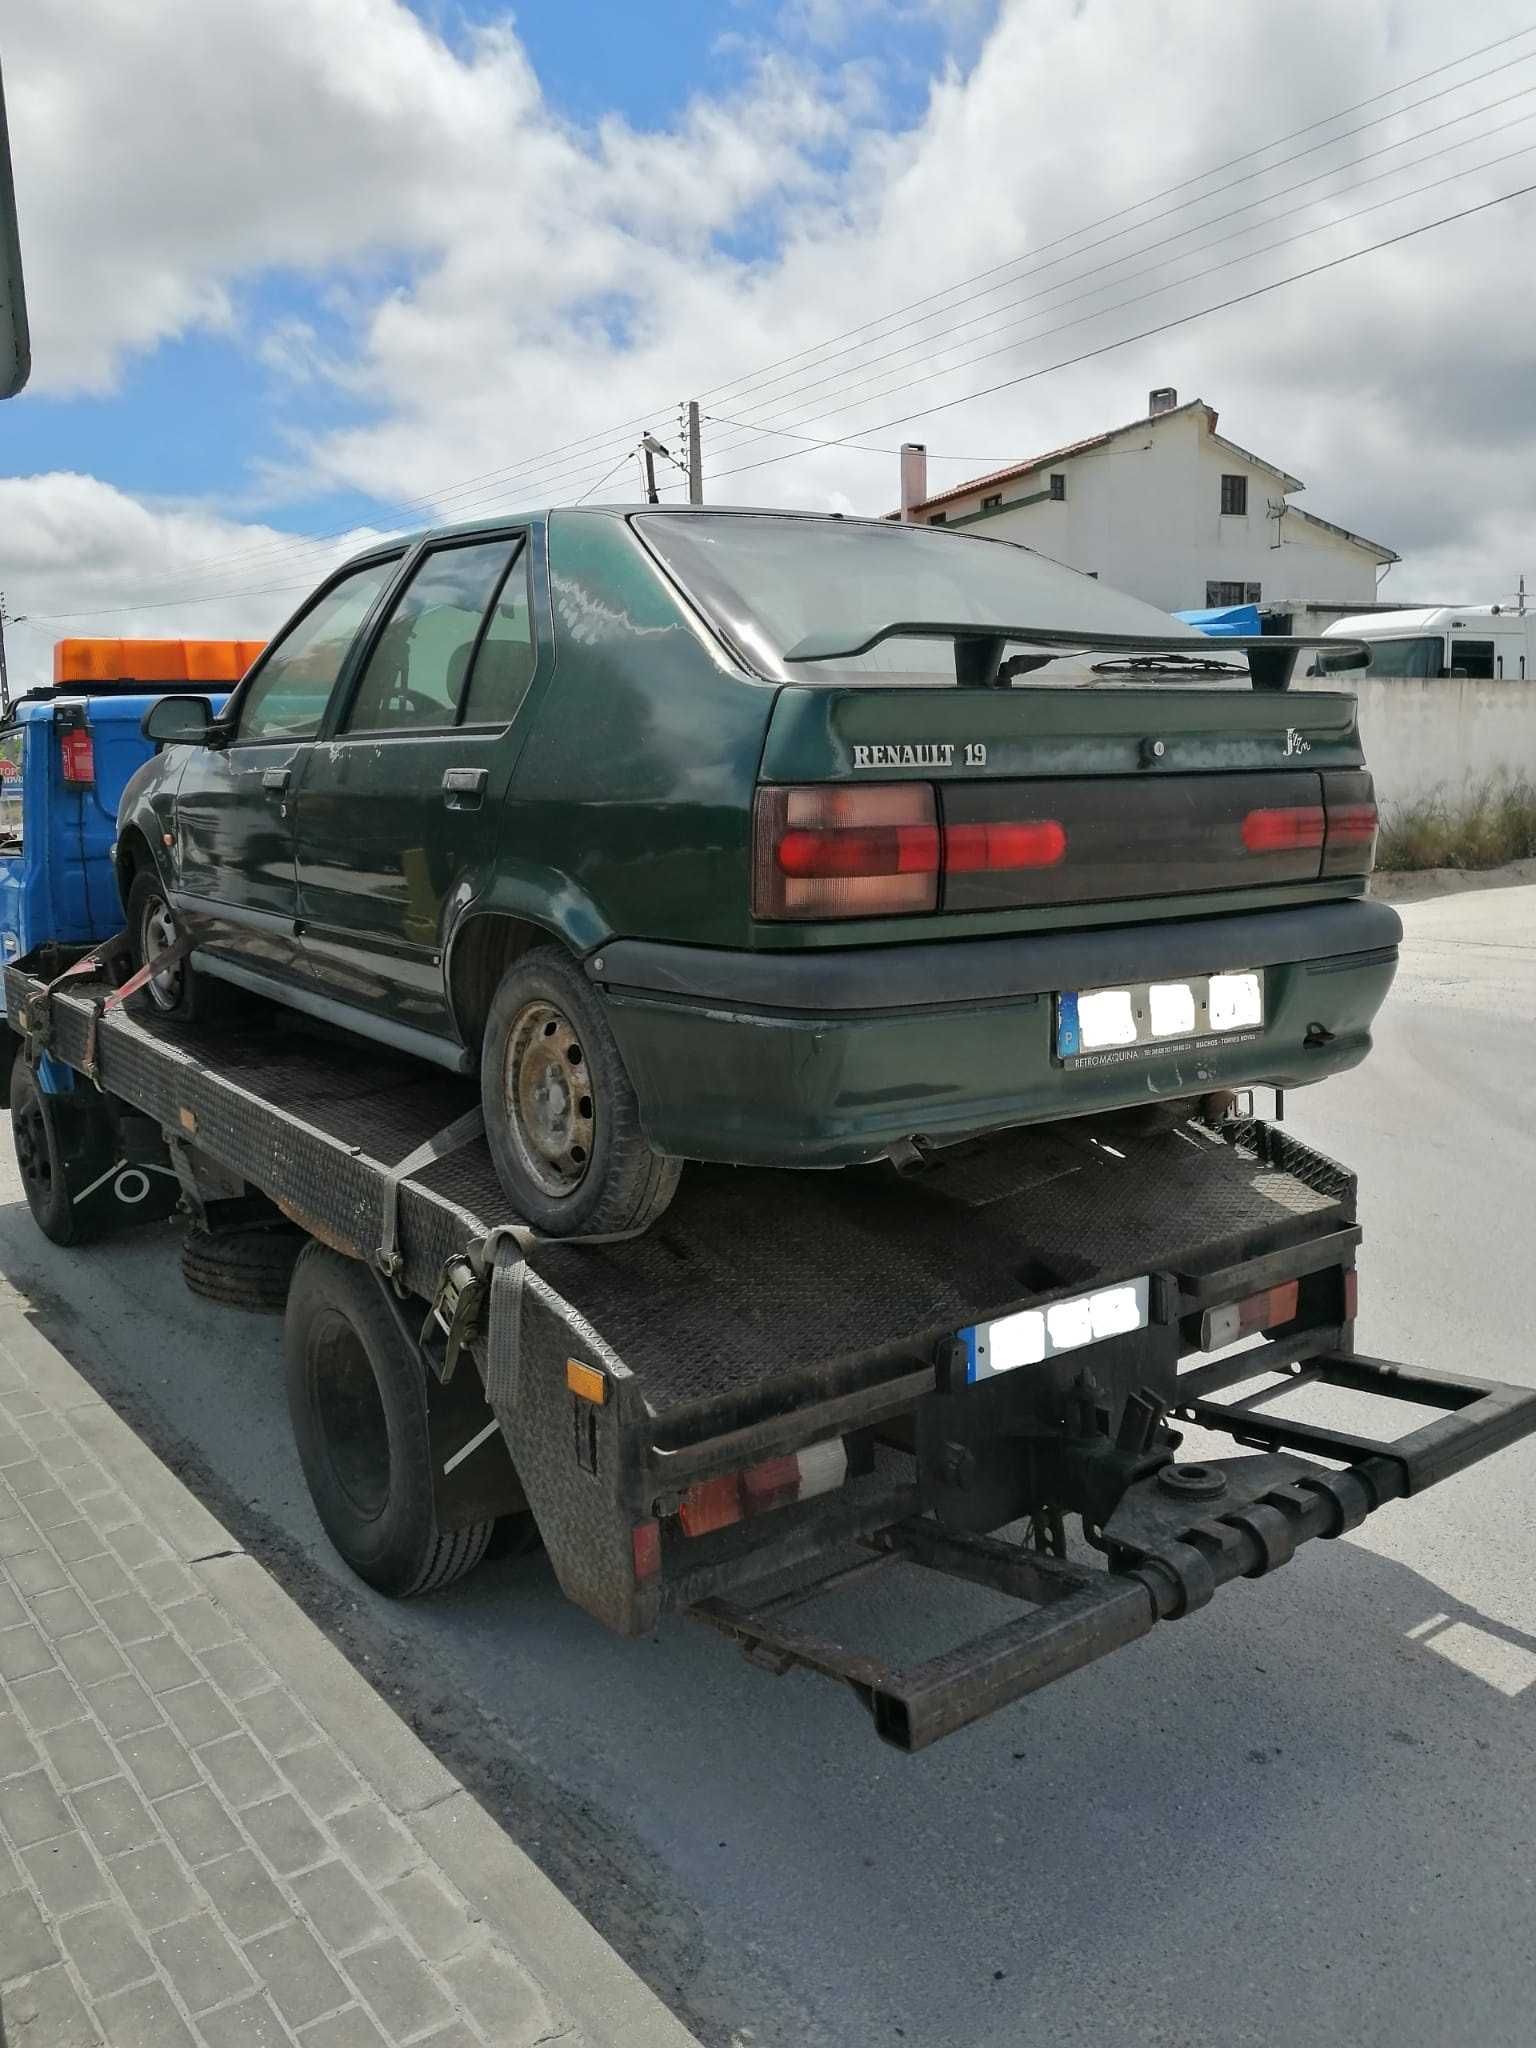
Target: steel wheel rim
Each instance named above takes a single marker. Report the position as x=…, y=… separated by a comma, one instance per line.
x=32, y=1154
x=549, y=1095
x=158, y=934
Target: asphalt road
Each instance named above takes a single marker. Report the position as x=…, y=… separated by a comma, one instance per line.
x=1305, y=1815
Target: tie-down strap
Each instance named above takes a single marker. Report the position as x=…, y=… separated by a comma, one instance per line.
x=452, y=1138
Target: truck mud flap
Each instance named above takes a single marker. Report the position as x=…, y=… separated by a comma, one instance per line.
x=1176, y=1537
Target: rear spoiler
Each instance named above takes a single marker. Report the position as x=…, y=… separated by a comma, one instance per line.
x=980, y=663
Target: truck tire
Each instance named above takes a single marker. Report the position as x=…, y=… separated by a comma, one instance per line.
x=181, y=992
x=357, y=1398
x=561, y=1116
x=249, y=1268
x=62, y=1152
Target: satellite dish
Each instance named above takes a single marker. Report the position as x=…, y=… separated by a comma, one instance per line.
x=15, y=342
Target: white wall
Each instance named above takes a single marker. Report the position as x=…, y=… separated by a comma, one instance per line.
x=1144, y=512
x=1446, y=734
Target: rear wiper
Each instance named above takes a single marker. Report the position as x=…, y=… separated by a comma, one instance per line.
x=1183, y=664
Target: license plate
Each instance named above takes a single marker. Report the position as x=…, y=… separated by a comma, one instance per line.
x=1033, y=1335
x=1110, y=1024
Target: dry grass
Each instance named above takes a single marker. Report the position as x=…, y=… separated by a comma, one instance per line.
x=1485, y=828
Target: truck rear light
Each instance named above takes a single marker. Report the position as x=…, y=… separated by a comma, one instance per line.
x=1000, y=848
x=831, y=851
x=647, y=1549
x=714, y=1504
x=1222, y=1326
x=1296, y=828
x=77, y=757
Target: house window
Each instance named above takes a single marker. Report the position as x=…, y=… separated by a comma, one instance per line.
x=992, y=504
x=1232, y=593
x=1234, y=494
x=938, y=518
x=1058, y=486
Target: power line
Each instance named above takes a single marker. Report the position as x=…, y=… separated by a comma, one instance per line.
x=1162, y=327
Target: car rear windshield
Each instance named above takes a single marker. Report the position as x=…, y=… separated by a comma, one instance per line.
x=767, y=581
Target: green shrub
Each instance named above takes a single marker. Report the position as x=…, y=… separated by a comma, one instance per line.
x=1485, y=828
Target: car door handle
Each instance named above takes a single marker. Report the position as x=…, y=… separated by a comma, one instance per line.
x=463, y=788
x=274, y=781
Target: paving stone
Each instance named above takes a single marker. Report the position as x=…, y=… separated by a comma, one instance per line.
x=23, y=1652
x=25, y=1943
x=380, y=1849
x=291, y=1964
x=322, y=1778
x=16, y=1534
x=51, y=1506
x=63, y=1453
x=202, y=1966
x=105, y=1950
x=25, y=1473
x=400, y=1988
x=31, y=1811
x=123, y=1707
x=62, y=1613
x=349, y=2029
x=76, y=1540
x=36, y=1571
x=91, y=1658
x=128, y=1614
x=438, y=1924
x=144, y=2018
x=345, y=1915
x=246, y=1898
x=162, y=1663
x=198, y=1825
x=160, y=1761
x=46, y=2009
x=79, y=1755
x=153, y=1883
x=113, y=1513
x=12, y=1613
x=457, y=2035
x=47, y=1701
x=277, y=1721
x=20, y=1401
x=136, y=1544
x=235, y=1669
x=253, y=2023
x=284, y=1833
x=199, y=1713
x=16, y=1751
x=114, y=1816
x=66, y=1875
x=496, y=1993
x=201, y=1623
x=101, y=1578
x=165, y=1581
x=239, y=1769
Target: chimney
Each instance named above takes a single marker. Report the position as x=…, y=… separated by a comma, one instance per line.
x=1163, y=399
x=914, y=476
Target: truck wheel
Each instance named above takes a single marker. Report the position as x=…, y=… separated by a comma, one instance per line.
x=180, y=992
x=249, y=1268
x=560, y=1112
x=358, y=1403
x=61, y=1153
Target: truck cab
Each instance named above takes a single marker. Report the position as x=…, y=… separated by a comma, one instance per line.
x=1485, y=643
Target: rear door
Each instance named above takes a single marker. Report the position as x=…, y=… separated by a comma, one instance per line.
x=398, y=809
x=232, y=872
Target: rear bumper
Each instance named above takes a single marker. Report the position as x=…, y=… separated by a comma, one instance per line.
x=828, y=1059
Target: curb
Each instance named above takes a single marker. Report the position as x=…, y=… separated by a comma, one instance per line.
x=611, y=2006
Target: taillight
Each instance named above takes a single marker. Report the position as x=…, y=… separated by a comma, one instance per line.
x=1350, y=848
x=1220, y=1326
x=1293, y=829
x=878, y=850
x=800, y=1475
x=77, y=757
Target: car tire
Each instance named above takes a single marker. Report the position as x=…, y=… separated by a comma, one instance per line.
x=60, y=1155
x=561, y=1114
x=182, y=993
x=248, y=1268
x=357, y=1399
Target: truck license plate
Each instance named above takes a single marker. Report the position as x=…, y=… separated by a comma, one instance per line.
x=1106, y=1025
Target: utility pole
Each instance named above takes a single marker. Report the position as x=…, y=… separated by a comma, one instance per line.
x=695, y=455
x=6, y=619
x=648, y=449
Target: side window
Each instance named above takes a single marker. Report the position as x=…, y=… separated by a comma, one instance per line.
x=288, y=698
x=418, y=672
x=505, y=663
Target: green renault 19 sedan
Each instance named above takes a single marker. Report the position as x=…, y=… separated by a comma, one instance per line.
x=764, y=838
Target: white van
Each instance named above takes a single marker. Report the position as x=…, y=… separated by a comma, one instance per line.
x=1489, y=642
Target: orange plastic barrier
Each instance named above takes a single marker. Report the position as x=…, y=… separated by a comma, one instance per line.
x=153, y=661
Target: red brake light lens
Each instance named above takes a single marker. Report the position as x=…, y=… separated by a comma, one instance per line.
x=831, y=851
x=1296, y=828
x=1033, y=843
x=77, y=757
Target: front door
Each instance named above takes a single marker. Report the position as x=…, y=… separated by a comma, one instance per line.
x=398, y=807
x=231, y=867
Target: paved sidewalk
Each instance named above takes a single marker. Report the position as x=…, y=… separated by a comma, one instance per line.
x=212, y=1830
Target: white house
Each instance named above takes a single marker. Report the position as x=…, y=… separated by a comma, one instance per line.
x=1173, y=512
